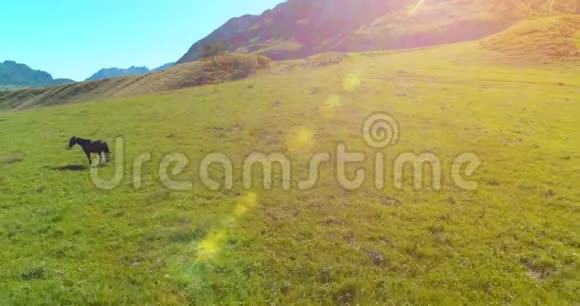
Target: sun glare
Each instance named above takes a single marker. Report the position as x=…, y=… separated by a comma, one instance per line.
x=351, y=82
x=300, y=139
x=330, y=106
x=210, y=246
x=416, y=7
x=245, y=204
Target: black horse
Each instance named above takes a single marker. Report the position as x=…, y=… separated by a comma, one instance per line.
x=99, y=147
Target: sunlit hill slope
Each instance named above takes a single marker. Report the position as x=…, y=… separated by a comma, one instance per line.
x=299, y=28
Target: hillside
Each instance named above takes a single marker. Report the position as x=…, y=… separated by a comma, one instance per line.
x=16, y=75
x=108, y=73
x=548, y=37
x=163, y=67
x=513, y=241
x=298, y=28
x=211, y=71
x=538, y=36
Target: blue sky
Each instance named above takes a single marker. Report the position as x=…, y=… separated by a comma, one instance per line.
x=75, y=38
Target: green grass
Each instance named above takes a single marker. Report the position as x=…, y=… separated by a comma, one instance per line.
x=513, y=241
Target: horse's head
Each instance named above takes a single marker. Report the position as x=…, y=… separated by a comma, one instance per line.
x=72, y=142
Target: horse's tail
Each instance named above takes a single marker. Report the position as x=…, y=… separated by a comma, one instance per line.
x=107, y=152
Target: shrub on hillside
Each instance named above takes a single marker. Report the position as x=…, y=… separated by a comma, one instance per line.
x=264, y=62
x=229, y=67
x=212, y=49
x=236, y=66
x=326, y=59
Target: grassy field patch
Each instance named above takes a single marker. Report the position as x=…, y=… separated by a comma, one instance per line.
x=512, y=241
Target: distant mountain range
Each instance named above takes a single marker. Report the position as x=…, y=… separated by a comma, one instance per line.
x=114, y=72
x=299, y=28
x=15, y=75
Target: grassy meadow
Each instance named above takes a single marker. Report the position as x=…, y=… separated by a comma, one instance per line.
x=515, y=240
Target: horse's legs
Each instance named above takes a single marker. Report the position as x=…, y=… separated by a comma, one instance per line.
x=105, y=158
x=100, y=158
x=88, y=154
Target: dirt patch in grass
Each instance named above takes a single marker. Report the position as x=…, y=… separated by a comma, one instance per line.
x=12, y=158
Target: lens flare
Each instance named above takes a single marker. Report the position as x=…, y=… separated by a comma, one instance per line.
x=300, y=140
x=416, y=7
x=352, y=82
x=210, y=246
x=245, y=204
x=329, y=108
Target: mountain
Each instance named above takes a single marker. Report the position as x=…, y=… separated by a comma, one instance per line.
x=114, y=72
x=13, y=74
x=107, y=73
x=221, y=69
x=299, y=28
x=163, y=67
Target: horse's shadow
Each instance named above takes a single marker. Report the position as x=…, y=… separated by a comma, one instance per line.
x=69, y=168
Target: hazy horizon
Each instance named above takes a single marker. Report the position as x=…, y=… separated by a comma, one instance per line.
x=70, y=39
